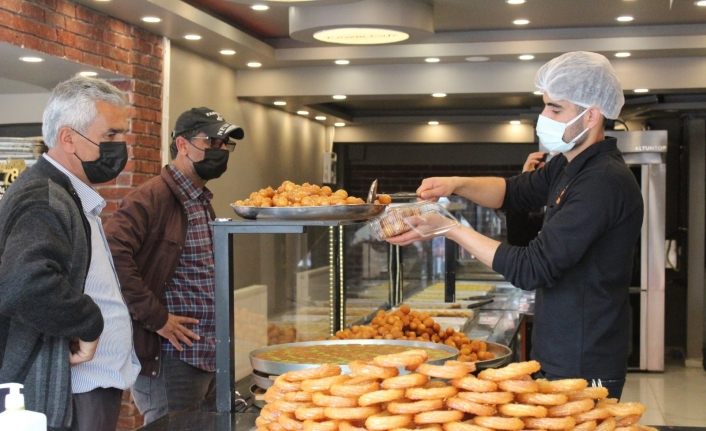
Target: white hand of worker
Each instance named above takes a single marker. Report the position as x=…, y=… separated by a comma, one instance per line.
x=82, y=351
x=534, y=161
x=436, y=187
x=175, y=331
x=423, y=227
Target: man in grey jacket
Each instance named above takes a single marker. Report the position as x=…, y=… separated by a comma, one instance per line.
x=56, y=280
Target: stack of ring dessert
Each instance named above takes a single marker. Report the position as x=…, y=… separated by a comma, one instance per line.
x=375, y=396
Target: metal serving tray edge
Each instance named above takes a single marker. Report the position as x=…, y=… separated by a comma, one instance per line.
x=276, y=368
x=332, y=212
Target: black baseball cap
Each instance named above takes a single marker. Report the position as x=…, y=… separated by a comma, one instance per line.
x=208, y=121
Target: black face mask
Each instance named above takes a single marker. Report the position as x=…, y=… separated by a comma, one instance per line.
x=214, y=163
x=110, y=162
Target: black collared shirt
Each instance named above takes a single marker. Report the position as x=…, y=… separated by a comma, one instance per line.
x=581, y=262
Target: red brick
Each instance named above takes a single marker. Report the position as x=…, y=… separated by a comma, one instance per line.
x=11, y=5
x=151, y=154
x=36, y=28
x=73, y=53
x=124, y=69
x=49, y=4
x=86, y=44
x=66, y=8
x=81, y=28
x=56, y=20
x=118, y=40
x=124, y=179
x=149, y=75
x=118, y=54
x=91, y=59
x=118, y=27
x=32, y=11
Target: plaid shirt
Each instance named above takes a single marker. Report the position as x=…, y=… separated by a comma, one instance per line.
x=191, y=291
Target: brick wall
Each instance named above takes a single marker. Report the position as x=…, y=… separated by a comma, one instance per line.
x=62, y=28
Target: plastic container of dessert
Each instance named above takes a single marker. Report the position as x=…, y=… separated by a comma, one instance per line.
x=426, y=218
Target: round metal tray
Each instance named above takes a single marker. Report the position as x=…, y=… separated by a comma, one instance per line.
x=332, y=212
x=272, y=367
x=503, y=355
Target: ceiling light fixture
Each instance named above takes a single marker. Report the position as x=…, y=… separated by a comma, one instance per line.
x=432, y=60
x=303, y=112
x=624, y=18
x=30, y=59
x=526, y=57
x=227, y=52
x=279, y=103
x=700, y=3
x=477, y=58
x=320, y=117
x=364, y=22
x=342, y=62
x=433, y=123
x=192, y=36
x=254, y=64
x=537, y=93
x=339, y=97
x=521, y=21
x=259, y=7
x=622, y=54
x=641, y=90
x=515, y=122
x=438, y=94
x=515, y=1
x=151, y=19
x=339, y=124
x=88, y=73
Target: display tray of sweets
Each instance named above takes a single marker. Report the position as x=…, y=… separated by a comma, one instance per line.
x=279, y=359
x=290, y=201
x=373, y=396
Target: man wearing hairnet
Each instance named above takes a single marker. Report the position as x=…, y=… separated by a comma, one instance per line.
x=580, y=263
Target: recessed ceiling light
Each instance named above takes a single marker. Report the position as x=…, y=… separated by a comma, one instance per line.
x=339, y=96
x=526, y=57
x=641, y=90
x=432, y=60
x=88, y=73
x=515, y=1
x=537, y=93
x=521, y=21
x=151, y=19
x=279, y=103
x=438, y=94
x=320, y=117
x=30, y=59
x=227, y=52
x=339, y=124
x=360, y=36
x=624, y=18
x=192, y=36
x=259, y=7
x=700, y=3
x=477, y=58
x=342, y=62
x=515, y=122
x=101, y=1
x=254, y=64
x=433, y=123
x=622, y=54
x=303, y=112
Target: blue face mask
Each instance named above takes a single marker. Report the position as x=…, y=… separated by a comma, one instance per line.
x=551, y=133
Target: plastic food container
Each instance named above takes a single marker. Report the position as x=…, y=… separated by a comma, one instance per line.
x=425, y=217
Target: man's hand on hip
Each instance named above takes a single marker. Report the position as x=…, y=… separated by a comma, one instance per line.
x=175, y=331
x=82, y=351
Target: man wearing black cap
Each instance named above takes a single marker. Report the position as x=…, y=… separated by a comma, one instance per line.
x=163, y=252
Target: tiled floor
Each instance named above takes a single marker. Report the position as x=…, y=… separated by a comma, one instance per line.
x=676, y=397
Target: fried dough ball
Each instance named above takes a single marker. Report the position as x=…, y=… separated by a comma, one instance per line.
x=289, y=194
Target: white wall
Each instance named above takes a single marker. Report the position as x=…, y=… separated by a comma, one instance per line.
x=22, y=108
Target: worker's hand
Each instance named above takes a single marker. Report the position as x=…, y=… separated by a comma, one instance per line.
x=534, y=161
x=175, y=331
x=436, y=187
x=82, y=351
x=423, y=226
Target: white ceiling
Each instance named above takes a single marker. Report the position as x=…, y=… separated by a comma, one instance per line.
x=667, y=40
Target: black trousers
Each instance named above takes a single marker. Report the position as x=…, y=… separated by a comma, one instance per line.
x=97, y=410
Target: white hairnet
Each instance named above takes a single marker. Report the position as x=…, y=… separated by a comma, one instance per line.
x=583, y=78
